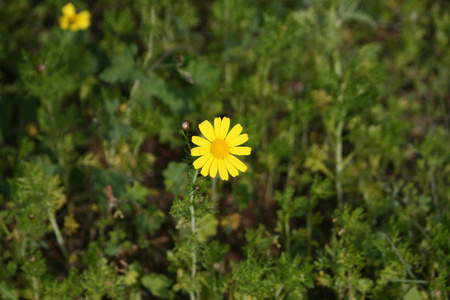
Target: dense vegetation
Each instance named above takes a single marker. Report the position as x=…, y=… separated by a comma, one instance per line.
x=346, y=105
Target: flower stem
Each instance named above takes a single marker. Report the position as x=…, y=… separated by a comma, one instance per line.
x=35, y=288
x=194, y=255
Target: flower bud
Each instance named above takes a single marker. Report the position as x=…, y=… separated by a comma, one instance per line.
x=185, y=125
x=41, y=67
x=31, y=216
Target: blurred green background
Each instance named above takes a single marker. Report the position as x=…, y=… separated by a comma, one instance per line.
x=346, y=104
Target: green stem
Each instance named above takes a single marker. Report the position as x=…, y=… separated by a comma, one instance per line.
x=277, y=295
x=58, y=234
x=214, y=194
x=194, y=255
x=408, y=280
x=149, y=54
x=339, y=165
x=399, y=255
x=23, y=249
x=349, y=282
x=309, y=229
x=35, y=288
x=434, y=193
x=287, y=232
x=5, y=228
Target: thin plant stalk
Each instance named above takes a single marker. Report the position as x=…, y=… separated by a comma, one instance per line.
x=194, y=255
x=410, y=273
x=408, y=280
x=434, y=193
x=280, y=289
x=339, y=161
x=149, y=53
x=58, y=234
x=35, y=288
x=349, y=281
x=214, y=194
x=5, y=229
x=309, y=228
x=287, y=231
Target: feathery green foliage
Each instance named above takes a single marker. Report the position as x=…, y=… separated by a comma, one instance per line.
x=346, y=107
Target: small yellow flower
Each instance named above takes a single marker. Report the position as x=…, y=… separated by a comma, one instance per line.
x=216, y=151
x=73, y=21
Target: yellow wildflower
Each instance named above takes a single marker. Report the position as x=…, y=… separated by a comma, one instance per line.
x=73, y=21
x=217, y=148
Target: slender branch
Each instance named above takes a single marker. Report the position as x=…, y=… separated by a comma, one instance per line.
x=277, y=295
x=149, y=54
x=434, y=192
x=309, y=227
x=339, y=165
x=287, y=232
x=3, y=225
x=58, y=234
x=410, y=273
x=407, y=280
x=349, y=281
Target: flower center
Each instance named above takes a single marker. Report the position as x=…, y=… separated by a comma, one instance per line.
x=219, y=148
x=72, y=19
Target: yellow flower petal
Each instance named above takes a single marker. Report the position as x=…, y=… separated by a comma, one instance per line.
x=237, y=163
x=233, y=171
x=68, y=10
x=234, y=132
x=207, y=166
x=198, y=151
x=241, y=150
x=217, y=124
x=83, y=20
x=199, y=141
x=222, y=169
x=213, y=170
x=207, y=130
x=238, y=140
x=224, y=127
x=64, y=23
x=200, y=162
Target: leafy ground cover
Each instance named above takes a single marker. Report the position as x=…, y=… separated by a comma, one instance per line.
x=346, y=106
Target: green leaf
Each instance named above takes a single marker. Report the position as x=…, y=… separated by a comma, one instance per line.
x=122, y=69
x=208, y=227
x=157, y=284
x=156, y=86
x=412, y=294
x=202, y=73
x=137, y=193
x=175, y=177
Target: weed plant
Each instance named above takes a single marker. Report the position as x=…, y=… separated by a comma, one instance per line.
x=346, y=192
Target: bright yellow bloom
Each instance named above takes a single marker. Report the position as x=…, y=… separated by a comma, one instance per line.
x=73, y=21
x=216, y=151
